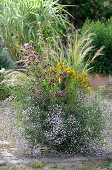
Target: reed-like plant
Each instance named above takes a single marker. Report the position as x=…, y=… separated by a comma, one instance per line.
x=22, y=20
x=73, y=52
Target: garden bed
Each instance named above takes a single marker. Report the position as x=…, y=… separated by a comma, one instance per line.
x=55, y=159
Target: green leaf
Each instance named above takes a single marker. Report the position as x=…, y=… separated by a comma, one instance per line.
x=110, y=165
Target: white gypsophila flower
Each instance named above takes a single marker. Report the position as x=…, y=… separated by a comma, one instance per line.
x=26, y=45
x=2, y=70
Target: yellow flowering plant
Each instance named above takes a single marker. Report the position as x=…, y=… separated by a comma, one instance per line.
x=66, y=77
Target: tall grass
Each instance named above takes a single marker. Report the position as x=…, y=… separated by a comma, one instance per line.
x=22, y=20
x=72, y=50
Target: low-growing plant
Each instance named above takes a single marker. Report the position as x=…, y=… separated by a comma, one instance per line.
x=5, y=91
x=37, y=164
x=5, y=58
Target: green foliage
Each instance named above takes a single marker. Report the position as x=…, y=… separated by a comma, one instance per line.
x=25, y=21
x=103, y=37
x=68, y=124
x=73, y=52
x=5, y=60
x=94, y=9
x=110, y=165
x=37, y=164
x=4, y=91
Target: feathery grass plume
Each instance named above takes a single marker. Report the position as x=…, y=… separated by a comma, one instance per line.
x=21, y=21
x=73, y=51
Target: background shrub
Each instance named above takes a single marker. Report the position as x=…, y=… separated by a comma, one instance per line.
x=83, y=9
x=103, y=37
x=5, y=60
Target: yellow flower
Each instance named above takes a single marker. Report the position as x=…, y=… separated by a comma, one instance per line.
x=80, y=78
x=84, y=74
x=52, y=69
x=86, y=85
x=60, y=66
x=73, y=74
x=89, y=90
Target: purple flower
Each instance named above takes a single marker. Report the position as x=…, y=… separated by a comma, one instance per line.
x=60, y=75
x=79, y=30
x=3, y=45
x=35, y=75
x=36, y=53
x=65, y=73
x=40, y=92
x=43, y=58
x=39, y=98
x=39, y=56
x=26, y=45
x=45, y=66
x=29, y=63
x=30, y=47
x=64, y=53
x=52, y=80
x=48, y=96
x=31, y=57
x=32, y=89
x=40, y=75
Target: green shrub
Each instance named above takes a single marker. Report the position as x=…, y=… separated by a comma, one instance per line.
x=5, y=60
x=103, y=37
x=95, y=10
x=54, y=111
x=4, y=91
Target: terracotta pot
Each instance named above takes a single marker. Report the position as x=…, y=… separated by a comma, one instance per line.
x=99, y=80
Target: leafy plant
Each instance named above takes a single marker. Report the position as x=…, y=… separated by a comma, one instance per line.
x=5, y=91
x=24, y=21
x=57, y=116
x=51, y=84
x=37, y=164
x=5, y=58
x=94, y=10
x=103, y=37
x=110, y=165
